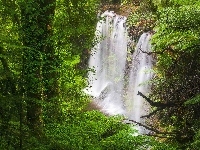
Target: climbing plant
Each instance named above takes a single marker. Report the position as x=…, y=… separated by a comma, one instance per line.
x=40, y=51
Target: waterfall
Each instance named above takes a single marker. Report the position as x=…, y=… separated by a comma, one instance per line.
x=107, y=84
x=140, y=74
x=108, y=59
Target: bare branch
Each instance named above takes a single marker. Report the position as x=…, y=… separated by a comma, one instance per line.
x=150, y=128
x=152, y=113
x=155, y=133
x=156, y=104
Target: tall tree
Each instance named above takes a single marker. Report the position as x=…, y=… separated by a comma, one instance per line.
x=40, y=52
x=36, y=22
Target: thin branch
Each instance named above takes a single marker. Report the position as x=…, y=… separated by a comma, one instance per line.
x=150, y=53
x=159, y=136
x=160, y=106
x=152, y=113
x=156, y=104
x=145, y=126
x=149, y=128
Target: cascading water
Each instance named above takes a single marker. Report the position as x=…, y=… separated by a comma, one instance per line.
x=140, y=74
x=108, y=60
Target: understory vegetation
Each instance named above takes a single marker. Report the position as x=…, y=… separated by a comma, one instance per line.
x=176, y=84
x=44, y=49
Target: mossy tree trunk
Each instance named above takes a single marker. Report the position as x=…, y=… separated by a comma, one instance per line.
x=36, y=20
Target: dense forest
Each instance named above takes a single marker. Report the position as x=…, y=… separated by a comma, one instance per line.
x=44, y=49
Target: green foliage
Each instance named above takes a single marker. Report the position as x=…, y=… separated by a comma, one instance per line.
x=176, y=43
x=86, y=130
x=92, y=130
x=48, y=80
x=142, y=19
x=73, y=32
x=196, y=143
x=184, y=2
x=193, y=100
x=40, y=51
x=177, y=32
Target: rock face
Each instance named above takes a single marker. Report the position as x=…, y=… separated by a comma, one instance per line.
x=118, y=7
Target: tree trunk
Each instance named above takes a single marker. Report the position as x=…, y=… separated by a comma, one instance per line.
x=36, y=18
x=9, y=84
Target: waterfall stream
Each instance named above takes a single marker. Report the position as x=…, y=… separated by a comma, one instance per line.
x=140, y=74
x=107, y=84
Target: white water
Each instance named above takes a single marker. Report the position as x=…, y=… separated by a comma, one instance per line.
x=140, y=74
x=108, y=59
